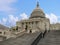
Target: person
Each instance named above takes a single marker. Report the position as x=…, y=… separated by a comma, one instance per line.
x=44, y=33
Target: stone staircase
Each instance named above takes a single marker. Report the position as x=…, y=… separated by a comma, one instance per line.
x=51, y=38
x=25, y=39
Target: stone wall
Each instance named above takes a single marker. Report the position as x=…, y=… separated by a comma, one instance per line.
x=55, y=26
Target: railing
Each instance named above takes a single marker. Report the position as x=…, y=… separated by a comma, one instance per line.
x=37, y=39
x=41, y=35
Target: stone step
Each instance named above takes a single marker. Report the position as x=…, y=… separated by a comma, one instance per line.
x=52, y=38
x=26, y=39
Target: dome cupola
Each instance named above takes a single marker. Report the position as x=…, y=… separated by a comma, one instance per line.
x=37, y=12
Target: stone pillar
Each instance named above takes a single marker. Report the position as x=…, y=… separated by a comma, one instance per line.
x=34, y=27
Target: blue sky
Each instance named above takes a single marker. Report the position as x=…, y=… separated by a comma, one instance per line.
x=14, y=10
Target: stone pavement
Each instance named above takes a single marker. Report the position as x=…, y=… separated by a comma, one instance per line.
x=25, y=39
x=52, y=38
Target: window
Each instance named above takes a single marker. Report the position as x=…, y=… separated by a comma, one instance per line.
x=32, y=22
x=22, y=23
x=36, y=22
x=0, y=32
x=29, y=22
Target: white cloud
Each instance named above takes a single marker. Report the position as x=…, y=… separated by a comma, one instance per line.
x=3, y=21
x=23, y=16
x=53, y=18
x=0, y=21
x=5, y=5
x=11, y=19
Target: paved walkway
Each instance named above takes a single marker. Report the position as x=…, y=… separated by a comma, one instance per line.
x=52, y=38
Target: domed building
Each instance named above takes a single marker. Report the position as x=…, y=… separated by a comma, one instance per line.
x=36, y=22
